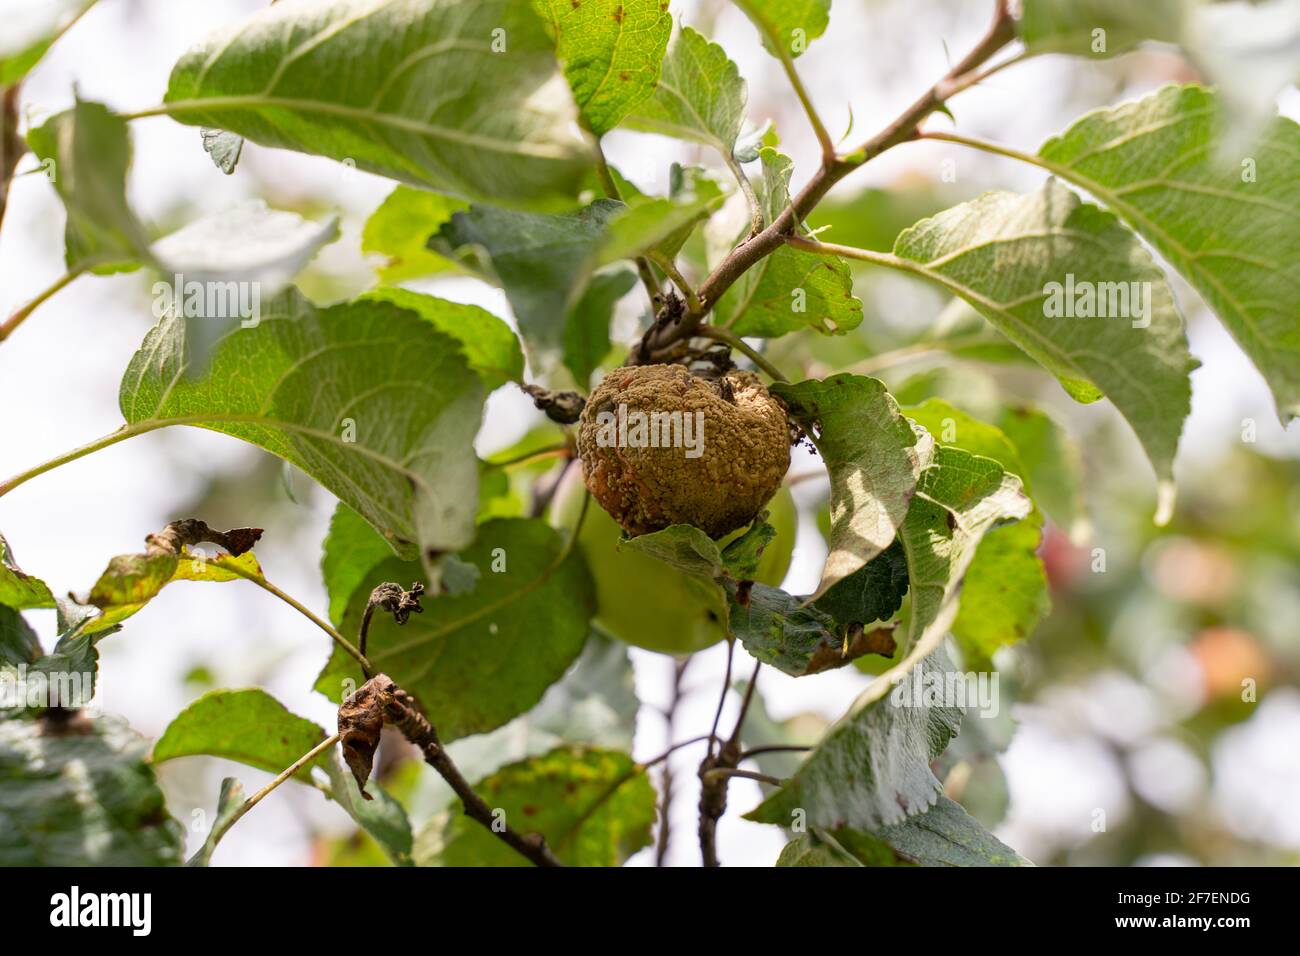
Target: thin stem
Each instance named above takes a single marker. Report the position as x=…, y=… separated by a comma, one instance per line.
x=775, y=749
x=611, y=189
x=726, y=773
x=302, y=609
x=23, y=311
x=561, y=449
x=744, y=706
x=726, y=687
x=884, y=360
x=740, y=345
x=756, y=220
x=122, y=434
x=666, y=778
x=669, y=268
x=819, y=128
x=222, y=829
x=996, y=149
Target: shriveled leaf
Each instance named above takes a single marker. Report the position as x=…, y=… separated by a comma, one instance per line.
x=787, y=26
x=874, y=457
x=700, y=97
x=229, y=801
x=1229, y=229
x=490, y=346
x=586, y=332
x=78, y=792
x=790, y=289
x=1015, y=259
x=18, y=590
x=224, y=148
x=611, y=51
x=459, y=96
x=133, y=580
x=30, y=29
x=593, y=807
x=872, y=768
x=400, y=228
x=248, y=725
x=543, y=262
x=477, y=660
x=345, y=394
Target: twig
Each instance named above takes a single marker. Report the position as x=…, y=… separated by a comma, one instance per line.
x=20, y=315
x=726, y=773
x=756, y=220
x=11, y=144
x=662, y=336
x=775, y=749
x=666, y=778
x=402, y=712
x=565, y=408
x=726, y=687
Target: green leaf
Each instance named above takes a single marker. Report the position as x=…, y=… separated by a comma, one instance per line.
x=81, y=794
x=793, y=636
x=787, y=26
x=595, y=704
x=19, y=644
x=872, y=768
x=700, y=97
x=249, y=726
x=790, y=289
x=400, y=229
x=594, y=807
x=229, y=800
x=872, y=593
x=586, y=331
x=1053, y=465
x=1230, y=230
x=458, y=96
x=344, y=393
x=479, y=659
x=945, y=835
x=874, y=457
x=133, y=580
x=689, y=549
x=611, y=50
x=959, y=499
x=352, y=549
x=30, y=30
x=18, y=590
x=661, y=225
x=543, y=261
x=91, y=151
x=1014, y=258
x=1005, y=593
x=1098, y=27
x=382, y=816
x=490, y=345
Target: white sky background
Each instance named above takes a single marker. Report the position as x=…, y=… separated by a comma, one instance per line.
x=60, y=373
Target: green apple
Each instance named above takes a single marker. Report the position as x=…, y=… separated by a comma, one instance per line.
x=647, y=603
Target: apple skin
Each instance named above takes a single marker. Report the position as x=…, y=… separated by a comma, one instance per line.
x=643, y=601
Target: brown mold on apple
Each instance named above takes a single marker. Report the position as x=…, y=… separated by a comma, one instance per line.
x=742, y=456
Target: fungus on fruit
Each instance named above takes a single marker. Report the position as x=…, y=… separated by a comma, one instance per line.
x=661, y=446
